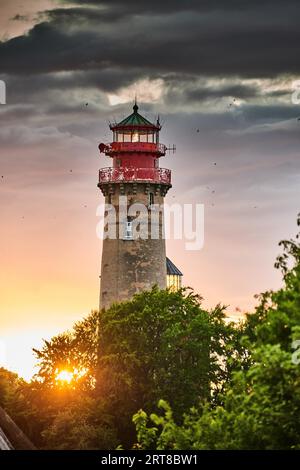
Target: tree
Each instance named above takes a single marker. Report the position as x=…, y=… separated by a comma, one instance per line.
x=81, y=425
x=261, y=411
x=74, y=352
x=8, y=387
x=260, y=405
x=159, y=344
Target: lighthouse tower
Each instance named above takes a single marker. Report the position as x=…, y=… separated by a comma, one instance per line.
x=132, y=263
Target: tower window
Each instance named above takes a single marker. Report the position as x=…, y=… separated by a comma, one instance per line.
x=128, y=235
x=151, y=199
x=150, y=137
x=173, y=282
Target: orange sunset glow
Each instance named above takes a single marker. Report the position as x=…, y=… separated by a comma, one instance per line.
x=238, y=158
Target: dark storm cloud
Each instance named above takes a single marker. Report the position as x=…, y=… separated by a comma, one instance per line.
x=208, y=93
x=85, y=15
x=169, y=6
x=245, y=39
x=211, y=92
x=81, y=53
x=269, y=113
x=28, y=87
x=19, y=18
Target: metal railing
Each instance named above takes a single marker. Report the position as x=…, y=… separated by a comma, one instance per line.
x=116, y=175
x=116, y=147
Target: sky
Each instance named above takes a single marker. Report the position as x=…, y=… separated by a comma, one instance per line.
x=220, y=74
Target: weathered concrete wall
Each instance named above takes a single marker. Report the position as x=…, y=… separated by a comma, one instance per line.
x=129, y=266
x=11, y=436
x=4, y=442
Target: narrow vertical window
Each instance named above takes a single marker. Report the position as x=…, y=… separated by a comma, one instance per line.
x=151, y=199
x=128, y=235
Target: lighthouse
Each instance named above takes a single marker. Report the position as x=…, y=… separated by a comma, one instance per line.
x=134, y=187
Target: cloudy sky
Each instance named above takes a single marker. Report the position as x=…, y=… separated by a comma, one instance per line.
x=221, y=75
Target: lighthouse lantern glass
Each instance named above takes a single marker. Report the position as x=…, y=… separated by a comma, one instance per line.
x=136, y=135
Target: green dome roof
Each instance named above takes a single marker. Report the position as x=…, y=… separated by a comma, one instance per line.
x=135, y=119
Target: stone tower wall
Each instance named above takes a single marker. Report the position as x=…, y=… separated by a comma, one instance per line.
x=130, y=266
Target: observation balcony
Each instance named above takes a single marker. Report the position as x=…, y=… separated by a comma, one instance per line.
x=120, y=175
x=133, y=147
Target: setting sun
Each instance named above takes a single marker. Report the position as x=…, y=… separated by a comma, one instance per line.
x=64, y=376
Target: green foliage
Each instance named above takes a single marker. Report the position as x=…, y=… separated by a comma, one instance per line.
x=8, y=387
x=73, y=351
x=81, y=425
x=260, y=405
x=159, y=344
x=156, y=345
x=261, y=411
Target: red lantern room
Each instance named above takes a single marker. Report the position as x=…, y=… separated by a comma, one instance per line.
x=135, y=153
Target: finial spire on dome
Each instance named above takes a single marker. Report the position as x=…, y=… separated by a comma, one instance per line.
x=135, y=119
x=135, y=107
